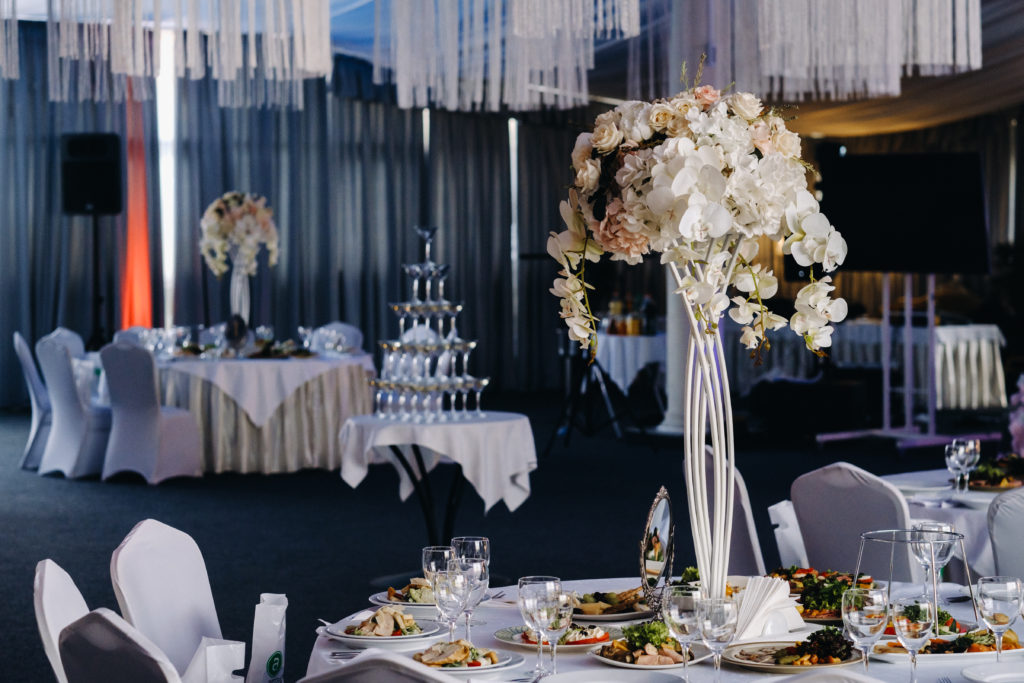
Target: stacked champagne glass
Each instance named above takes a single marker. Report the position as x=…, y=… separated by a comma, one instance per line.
x=425, y=372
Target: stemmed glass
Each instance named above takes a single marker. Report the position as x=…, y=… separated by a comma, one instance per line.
x=415, y=272
x=555, y=609
x=474, y=549
x=914, y=619
x=953, y=458
x=436, y=558
x=479, y=385
x=306, y=335
x=679, y=611
x=441, y=273
x=426, y=233
x=532, y=589
x=865, y=614
x=452, y=587
x=999, y=601
x=717, y=620
x=933, y=543
x=967, y=454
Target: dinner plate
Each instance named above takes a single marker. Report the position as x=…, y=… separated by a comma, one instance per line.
x=381, y=599
x=506, y=661
x=947, y=658
x=700, y=653
x=336, y=631
x=512, y=636
x=612, y=677
x=992, y=673
x=618, y=616
x=824, y=622
x=732, y=655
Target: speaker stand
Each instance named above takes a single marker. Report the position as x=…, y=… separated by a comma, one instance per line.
x=98, y=337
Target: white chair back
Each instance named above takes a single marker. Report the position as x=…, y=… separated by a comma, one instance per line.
x=835, y=504
x=131, y=335
x=78, y=434
x=792, y=552
x=70, y=340
x=353, y=335
x=40, y=400
x=101, y=647
x=745, y=556
x=163, y=589
x=1005, y=521
x=58, y=603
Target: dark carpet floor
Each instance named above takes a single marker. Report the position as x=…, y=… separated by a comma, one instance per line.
x=310, y=536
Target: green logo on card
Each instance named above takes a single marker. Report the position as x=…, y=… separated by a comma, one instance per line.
x=274, y=663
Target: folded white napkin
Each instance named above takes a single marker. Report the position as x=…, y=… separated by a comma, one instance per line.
x=766, y=608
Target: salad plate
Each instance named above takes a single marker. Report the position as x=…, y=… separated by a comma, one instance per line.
x=336, y=631
x=513, y=635
x=993, y=673
x=381, y=600
x=946, y=658
x=506, y=661
x=617, y=616
x=699, y=652
x=745, y=654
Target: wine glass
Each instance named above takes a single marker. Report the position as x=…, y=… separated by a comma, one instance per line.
x=679, y=612
x=717, y=621
x=865, y=613
x=475, y=547
x=415, y=272
x=559, y=607
x=953, y=460
x=436, y=558
x=426, y=233
x=968, y=453
x=451, y=591
x=306, y=335
x=914, y=619
x=530, y=588
x=932, y=543
x=999, y=602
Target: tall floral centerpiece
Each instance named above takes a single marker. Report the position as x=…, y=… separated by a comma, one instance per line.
x=700, y=178
x=235, y=225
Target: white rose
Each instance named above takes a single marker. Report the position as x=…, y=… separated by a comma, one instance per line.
x=660, y=115
x=787, y=143
x=746, y=105
x=606, y=138
x=581, y=151
x=588, y=175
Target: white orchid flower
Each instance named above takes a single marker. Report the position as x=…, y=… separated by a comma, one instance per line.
x=743, y=312
x=749, y=337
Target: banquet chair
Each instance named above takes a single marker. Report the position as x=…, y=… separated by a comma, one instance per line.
x=1005, y=521
x=379, y=666
x=42, y=416
x=79, y=430
x=745, y=556
x=838, y=502
x=353, y=335
x=101, y=647
x=155, y=441
x=58, y=602
x=792, y=552
x=131, y=335
x=163, y=590
x=70, y=339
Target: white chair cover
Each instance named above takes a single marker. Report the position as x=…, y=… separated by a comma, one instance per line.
x=156, y=441
x=78, y=434
x=58, y=603
x=132, y=335
x=40, y=399
x=101, y=647
x=379, y=666
x=69, y=339
x=745, y=556
x=792, y=552
x=835, y=504
x=1005, y=521
x=163, y=589
x=353, y=335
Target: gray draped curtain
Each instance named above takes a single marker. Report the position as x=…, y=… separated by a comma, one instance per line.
x=45, y=256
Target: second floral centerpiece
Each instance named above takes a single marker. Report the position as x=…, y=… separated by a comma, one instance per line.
x=700, y=178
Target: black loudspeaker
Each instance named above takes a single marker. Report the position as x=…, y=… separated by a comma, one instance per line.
x=90, y=173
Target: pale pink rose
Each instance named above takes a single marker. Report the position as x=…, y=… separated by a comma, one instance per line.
x=615, y=238
x=706, y=95
x=761, y=136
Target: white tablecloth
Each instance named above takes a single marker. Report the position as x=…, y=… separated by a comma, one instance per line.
x=968, y=365
x=498, y=615
x=969, y=515
x=622, y=356
x=270, y=415
x=496, y=452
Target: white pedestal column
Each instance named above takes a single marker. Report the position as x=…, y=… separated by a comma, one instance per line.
x=677, y=337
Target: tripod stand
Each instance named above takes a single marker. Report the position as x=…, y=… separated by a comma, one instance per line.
x=582, y=371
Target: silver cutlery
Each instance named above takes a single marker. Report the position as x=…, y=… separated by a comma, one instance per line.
x=344, y=654
x=944, y=679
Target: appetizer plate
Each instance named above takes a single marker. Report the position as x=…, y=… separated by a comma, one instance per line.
x=824, y=622
x=950, y=658
x=513, y=636
x=612, y=677
x=732, y=654
x=506, y=661
x=381, y=600
x=336, y=631
x=992, y=673
x=618, y=616
x=700, y=653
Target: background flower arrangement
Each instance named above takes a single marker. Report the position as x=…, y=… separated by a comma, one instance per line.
x=236, y=224
x=699, y=178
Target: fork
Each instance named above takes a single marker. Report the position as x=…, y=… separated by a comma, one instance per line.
x=944, y=679
x=344, y=654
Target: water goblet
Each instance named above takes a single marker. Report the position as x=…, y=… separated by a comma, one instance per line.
x=717, y=620
x=953, y=460
x=914, y=619
x=680, y=614
x=865, y=614
x=475, y=548
x=451, y=591
x=531, y=590
x=435, y=558
x=478, y=575
x=415, y=272
x=999, y=602
x=932, y=544
x=968, y=454
x=560, y=606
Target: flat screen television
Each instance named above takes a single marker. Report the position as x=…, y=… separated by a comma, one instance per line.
x=908, y=213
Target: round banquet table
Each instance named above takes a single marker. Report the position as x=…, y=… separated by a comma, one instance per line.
x=270, y=415
x=624, y=356
x=498, y=614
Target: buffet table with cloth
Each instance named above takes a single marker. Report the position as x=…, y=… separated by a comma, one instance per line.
x=495, y=454
x=503, y=613
x=930, y=497
x=624, y=356
x=270, y=415
x=968, y=365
